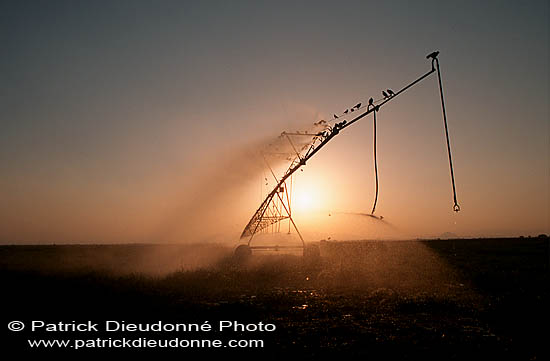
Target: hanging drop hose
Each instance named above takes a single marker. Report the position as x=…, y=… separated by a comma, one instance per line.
x=456, y=207
x=375, y=163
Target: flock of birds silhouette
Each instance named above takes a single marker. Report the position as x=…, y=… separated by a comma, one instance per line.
x=388, y=93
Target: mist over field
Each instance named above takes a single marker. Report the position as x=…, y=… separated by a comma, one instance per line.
x=396, y=299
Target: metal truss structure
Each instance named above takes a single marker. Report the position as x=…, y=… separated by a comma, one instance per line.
x=276, y=206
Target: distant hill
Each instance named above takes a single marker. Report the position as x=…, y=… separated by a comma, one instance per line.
x=448, y=235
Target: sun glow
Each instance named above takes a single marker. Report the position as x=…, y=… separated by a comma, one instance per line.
x=306, y=200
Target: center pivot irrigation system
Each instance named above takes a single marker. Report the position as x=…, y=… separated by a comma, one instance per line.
x=276, y=206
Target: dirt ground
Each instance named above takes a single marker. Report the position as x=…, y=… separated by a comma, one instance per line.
x=436, y=299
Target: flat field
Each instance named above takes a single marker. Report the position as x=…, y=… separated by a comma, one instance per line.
x=432, y=299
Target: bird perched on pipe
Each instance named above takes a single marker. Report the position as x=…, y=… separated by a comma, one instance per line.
x=432, y=55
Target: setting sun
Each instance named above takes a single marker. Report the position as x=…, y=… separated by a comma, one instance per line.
x=304, y=201
x=307, y=198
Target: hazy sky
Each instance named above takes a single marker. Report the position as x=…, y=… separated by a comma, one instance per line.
x=132, y=121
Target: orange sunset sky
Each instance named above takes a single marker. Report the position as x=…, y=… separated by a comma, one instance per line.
x=141, y=121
